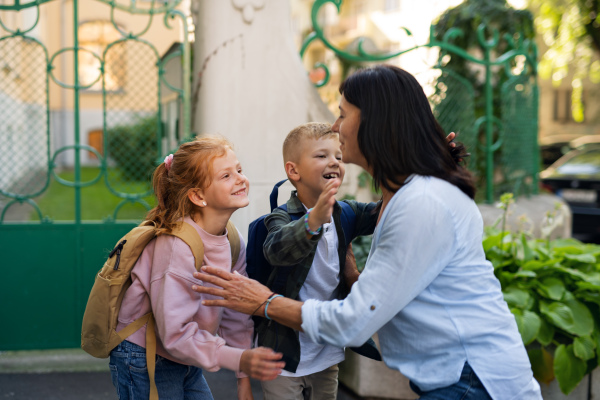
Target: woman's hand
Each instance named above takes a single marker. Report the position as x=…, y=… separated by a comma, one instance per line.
x=238, y=292
x=244, y=389
x=451, y=136
x=261, y=363
x=247, y=296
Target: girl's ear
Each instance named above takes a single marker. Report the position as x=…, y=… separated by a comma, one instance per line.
x=197, y=197
x=291, y=170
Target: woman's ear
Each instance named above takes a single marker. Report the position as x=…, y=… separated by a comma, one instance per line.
x=197, y=197
x=291, y=170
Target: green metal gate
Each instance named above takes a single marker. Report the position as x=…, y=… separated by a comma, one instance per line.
x=90, y=102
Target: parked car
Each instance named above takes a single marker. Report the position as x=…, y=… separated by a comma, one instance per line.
x=554, y=147
x=576, y=178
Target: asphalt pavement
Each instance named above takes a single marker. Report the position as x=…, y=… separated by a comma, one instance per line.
x=74, y=375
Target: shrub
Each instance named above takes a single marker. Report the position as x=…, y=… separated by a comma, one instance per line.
x=134, y=148
x=553, y=289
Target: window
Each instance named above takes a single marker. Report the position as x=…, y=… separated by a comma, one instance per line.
x=562, y=106
x=95, y=36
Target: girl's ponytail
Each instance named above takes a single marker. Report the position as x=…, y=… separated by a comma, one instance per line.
x=160, y=184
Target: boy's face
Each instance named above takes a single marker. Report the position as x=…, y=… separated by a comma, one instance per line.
x=320, y=160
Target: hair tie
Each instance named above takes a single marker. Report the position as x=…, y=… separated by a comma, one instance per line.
x=168, y=161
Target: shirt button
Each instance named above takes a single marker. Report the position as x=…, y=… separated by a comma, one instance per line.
x=372, y=308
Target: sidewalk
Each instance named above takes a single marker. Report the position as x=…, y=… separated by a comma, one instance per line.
x=74, y=375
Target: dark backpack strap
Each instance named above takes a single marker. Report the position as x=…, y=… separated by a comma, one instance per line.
x=348, y=220
x=275, y=194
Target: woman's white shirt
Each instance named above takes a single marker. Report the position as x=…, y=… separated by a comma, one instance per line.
x=431, y=295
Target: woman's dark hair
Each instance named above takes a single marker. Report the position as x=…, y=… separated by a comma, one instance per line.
x=398, y=134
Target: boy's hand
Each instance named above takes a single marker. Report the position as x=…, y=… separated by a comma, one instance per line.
x=261, y=363
x=321, y=212
x=244, y=389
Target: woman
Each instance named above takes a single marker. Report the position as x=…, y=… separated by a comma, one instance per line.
x=427, y=288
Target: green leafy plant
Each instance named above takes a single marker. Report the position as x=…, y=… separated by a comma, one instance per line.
x=133, y=147
x=553, y=289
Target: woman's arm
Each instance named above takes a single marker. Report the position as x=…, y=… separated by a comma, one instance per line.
x=247, y=296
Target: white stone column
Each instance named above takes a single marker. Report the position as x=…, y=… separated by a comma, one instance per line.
x=250, y=86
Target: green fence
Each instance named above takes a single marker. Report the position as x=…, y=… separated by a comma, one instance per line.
x=89, y=104
x=502, y=136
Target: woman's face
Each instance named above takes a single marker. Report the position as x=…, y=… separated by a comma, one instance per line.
x=347, y=126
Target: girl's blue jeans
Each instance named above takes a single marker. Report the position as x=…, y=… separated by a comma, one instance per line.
x=469, y=387
x=173, y=380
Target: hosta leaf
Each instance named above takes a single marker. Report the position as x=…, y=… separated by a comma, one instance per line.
x=542, y=365
x=546, y=332
x=553, y=288
x=584, y=258
x=525, y=274
x=516, y=297
x=583, y=347
x=558, y=313
x=583, y=322
x=568, y=369
x=529, y=325
x=492, y=241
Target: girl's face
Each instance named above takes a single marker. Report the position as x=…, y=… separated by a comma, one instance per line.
x=228, y=189
x=347, y=126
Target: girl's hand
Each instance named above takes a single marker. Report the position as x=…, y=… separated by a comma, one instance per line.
x=244, y=389
x=321, y=212
x=261, y=363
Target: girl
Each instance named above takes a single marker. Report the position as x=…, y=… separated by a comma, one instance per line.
x=427, y=288
x=201, y=184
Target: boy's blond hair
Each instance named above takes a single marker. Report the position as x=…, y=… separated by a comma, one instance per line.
x=310, y=130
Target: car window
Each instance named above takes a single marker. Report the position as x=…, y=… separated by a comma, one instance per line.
x=585, y=163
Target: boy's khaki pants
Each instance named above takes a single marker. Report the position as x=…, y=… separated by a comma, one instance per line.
x=321, y=385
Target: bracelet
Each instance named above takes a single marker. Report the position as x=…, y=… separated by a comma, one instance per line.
x=262, y=304
x=269, y=302
x=308, y=227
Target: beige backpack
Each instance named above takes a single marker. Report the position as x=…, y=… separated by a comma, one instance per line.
x=98, y=331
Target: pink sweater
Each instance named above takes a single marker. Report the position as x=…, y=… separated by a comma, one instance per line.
x=187, y=332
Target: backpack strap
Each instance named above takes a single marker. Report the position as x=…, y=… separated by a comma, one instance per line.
x=190, y=235
x=275, y=194
x=151, y=356
x=234, y=242
x=348, y=220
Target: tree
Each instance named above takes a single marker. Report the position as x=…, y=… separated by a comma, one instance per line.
x=450, y=87
x=571, y=30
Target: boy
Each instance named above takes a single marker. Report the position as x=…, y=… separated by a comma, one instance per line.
x=312, y=252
